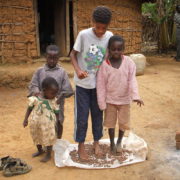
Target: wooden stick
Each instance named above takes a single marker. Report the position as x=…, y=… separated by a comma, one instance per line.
x=67, y=28
x=4, y=41
x=75, y=26
x=17, y=7
x=2, y=24
x=16, y=34
x=37, y=27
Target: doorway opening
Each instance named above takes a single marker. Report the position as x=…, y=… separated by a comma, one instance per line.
x=55, y=24
x=46, y=24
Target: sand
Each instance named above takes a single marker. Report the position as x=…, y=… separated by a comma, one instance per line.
x=156, y=122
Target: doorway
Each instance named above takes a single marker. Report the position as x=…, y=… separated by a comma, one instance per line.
x=55, y=25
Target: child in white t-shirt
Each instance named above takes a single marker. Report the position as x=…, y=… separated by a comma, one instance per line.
x=87, y=55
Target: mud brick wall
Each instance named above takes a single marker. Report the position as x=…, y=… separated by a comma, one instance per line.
x=17, y=31
x=126, y=19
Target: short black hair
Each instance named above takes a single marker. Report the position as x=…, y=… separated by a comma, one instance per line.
x=116, y=38
x=102, y=14
x=53, y=48
x=49, y=82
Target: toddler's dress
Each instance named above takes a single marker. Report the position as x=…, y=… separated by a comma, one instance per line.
x=43, y=120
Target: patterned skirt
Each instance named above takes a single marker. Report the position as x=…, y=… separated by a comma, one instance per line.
x=42, y=130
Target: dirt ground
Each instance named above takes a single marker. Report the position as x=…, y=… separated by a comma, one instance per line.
x=156, y=122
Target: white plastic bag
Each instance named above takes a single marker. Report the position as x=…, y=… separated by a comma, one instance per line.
x=136, y=144
x=59, y=148
x=132, y=143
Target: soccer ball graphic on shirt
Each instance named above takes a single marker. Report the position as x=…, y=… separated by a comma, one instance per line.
x=93, y=49
x=94, y=58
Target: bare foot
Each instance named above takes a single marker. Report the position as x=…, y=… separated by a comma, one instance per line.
x=113, y=148
x=82, y=153
x=46, y=158
x=118, y=148
x=97, y=150
x=37, y=153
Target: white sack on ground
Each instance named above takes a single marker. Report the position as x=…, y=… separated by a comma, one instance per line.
x=140, y=61
x=132, y=143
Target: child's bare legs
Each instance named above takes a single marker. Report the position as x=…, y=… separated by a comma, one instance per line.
x=48, y=154
x=121, y=134
x=111, y=136
x=81, y=151
x=39, y=152
x=59, y=130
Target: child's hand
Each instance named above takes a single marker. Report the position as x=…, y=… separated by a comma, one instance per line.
x=25, y=123
x=139, y=102
x=82, y=74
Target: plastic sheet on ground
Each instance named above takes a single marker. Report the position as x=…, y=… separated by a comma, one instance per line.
x=132, y=143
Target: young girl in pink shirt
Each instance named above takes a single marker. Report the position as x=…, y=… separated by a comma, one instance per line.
x=116, y=89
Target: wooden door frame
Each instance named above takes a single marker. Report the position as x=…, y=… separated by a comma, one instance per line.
x=35, y=8
x=75, y=26
x=67, y=28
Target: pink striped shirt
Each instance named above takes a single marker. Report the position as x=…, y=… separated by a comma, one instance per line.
x=117, y=86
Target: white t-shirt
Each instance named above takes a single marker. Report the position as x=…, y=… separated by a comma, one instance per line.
x=91, y=54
